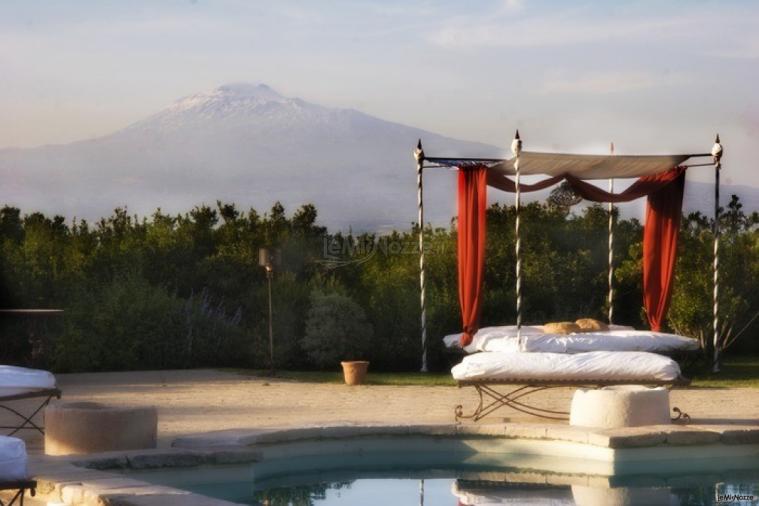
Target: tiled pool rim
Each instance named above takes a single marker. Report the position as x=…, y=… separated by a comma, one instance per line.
x=98, y=479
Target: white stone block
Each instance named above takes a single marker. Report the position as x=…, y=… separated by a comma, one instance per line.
x=620, y=406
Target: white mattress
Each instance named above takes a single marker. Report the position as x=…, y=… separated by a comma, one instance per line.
x=18, y=380
x=617, y=338
x=592, y=366
x=12, y=459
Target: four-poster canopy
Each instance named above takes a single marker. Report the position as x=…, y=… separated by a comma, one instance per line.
x=661, y=179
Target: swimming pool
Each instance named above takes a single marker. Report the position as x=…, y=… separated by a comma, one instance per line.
x=439, y=476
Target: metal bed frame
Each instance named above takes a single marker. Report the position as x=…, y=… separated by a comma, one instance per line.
x=20, y=486
x=27, y=421
x=491, y=399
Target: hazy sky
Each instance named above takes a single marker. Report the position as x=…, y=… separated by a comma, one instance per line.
x=652, y=76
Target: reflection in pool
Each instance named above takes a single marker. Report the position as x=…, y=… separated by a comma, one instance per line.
x=455, y=486
x=457, y=492
x=419, y=470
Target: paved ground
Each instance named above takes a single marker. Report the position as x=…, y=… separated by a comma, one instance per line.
x=203, y=400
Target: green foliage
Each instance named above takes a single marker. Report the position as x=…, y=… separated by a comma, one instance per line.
x=336, y=329
x=130, y=324
x=186, y=290
x=690, y=312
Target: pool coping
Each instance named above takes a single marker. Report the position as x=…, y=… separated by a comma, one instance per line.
x=91, y=480
x=628, y=437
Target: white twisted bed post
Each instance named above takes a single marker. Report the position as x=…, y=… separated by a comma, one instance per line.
x=611, y=247
x=419, y=156
x=516, y=149
x=717, y=159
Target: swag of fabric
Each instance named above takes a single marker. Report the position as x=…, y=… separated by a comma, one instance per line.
x=664, y=194
x=472, y=203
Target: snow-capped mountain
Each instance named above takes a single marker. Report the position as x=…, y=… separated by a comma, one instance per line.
x=246, y=144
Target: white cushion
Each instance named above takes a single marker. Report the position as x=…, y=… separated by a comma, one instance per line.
x=12, y=459
x=593, y=366
x=617, y=338
x=18, y=380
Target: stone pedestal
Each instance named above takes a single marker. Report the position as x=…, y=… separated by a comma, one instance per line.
x=620, y=406
x=88, y=427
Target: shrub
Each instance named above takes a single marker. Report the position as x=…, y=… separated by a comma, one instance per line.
x=129, y=324
x=336, y=329
x=122, y=325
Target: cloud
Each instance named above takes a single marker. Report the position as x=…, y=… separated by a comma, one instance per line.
x=740, y=50
x=607, y=82
x=570, y=27
x=513, y=4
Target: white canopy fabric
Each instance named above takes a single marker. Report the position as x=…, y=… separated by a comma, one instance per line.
x=590, y=166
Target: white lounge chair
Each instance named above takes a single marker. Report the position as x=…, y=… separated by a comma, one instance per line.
x=20, y=383
x=13, y=471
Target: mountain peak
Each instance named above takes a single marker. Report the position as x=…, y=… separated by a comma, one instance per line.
x=233, y=100
x=248, y=90
x=233, y=94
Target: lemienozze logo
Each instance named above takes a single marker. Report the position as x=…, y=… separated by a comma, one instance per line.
x=732, y=498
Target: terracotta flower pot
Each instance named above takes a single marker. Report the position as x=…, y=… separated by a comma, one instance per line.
x=355, y=371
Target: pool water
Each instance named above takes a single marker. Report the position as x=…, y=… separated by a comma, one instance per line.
x=362, y=481
x=370, y=491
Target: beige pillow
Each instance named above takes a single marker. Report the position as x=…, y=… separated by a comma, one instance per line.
x=591, y=325
x=561, y=328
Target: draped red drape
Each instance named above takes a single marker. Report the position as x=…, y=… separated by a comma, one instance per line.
x=472, y=202
x=640, y=188
x=643, y=186
x=663, y=211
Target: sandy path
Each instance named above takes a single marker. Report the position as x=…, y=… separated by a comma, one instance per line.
x=203, y=400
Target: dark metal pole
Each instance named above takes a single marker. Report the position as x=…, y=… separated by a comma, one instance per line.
x=516, y=149
x=269, y=275
x=419, y=156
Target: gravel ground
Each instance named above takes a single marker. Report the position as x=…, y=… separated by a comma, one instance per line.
x=193, y=401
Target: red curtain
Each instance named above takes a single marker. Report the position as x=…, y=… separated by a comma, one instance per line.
x=472, y=203
x=640, y=188
x=663, y=211
x=643, y=186
x=508, y=185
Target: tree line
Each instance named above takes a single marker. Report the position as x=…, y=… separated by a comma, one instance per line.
x=186, y=290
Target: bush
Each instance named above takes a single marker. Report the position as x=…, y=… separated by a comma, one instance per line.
x=129, y=324
x=122, y=325
x=336, y=329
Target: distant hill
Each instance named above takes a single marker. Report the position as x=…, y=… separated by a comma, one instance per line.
x=250, y=145
x=700, y=196
x=242, y=143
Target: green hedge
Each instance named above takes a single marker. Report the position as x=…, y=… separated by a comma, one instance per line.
x=186, y=290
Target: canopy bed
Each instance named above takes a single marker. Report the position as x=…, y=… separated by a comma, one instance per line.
x=518, y=348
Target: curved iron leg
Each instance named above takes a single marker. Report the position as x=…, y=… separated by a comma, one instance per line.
x=681, y=415
x=509, y=399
